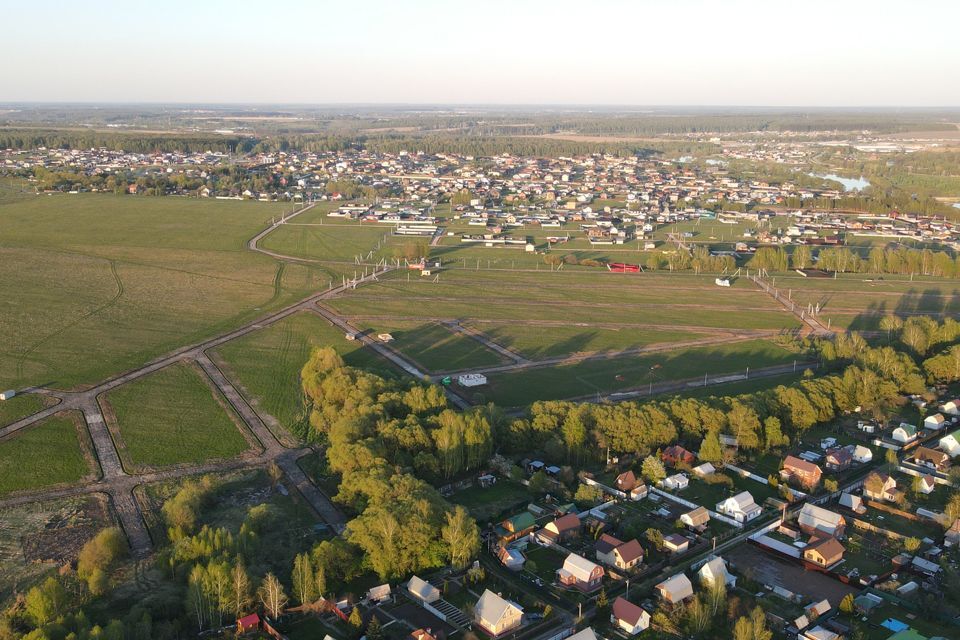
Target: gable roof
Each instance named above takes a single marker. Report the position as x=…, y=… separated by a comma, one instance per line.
x=678, y=587
x=714, y=569
x=698, y=516
x=521, y=521
x=565, y=523
x=626, y=481
x=625, y=610
x=586, y=634
x=606, y=544
x=491, y=608
x=629, y=551
x=819, y=518
x=579, y=567
x=798, y=464
x=827, y=547
x=421, y=588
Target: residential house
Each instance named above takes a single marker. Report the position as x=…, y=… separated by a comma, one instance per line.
x=814, y=520
x=819, y=633
x=625, y=482
x=423, y=590
x=885, y=487
x=604, y=546
x=740, y=507
x=629, y=617
x=823, y=551
x=802, y=472
x=697, y=519
x=418, y=634
x=952, y=536
x=580, y=573
x=676, y=589
x=676, y=482
x=927, y=484
x=704, y=470
x=675, y=454
x=511, y=558
x=562, y=529
x=622, y=555
x=934, y=422
x=951, y=407
x=639, y=492
x=852, y=502
x=585, y=634
x=715, y=570
x=516, y=527
x=248, y=623
x=862, y=454
x=905, y=433
x=378, y=594
x=931, y=458
x=496, y=615
x=950, y=444
x=676, y=543
x=838, y=459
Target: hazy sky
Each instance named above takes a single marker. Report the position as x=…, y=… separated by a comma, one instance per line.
x=643, y=52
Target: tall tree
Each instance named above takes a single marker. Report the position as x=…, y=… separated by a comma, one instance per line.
x=462, y=537
x=304, y=579
x=272, y=596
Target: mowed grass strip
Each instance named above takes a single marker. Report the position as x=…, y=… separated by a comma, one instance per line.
x=333, y=242
x=267, y=364
x=20, y=406
x=601, y=376
x=435, y=347
x=52, y=452
x=173, y=417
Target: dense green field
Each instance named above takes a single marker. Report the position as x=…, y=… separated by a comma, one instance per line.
x=55, y=451
x=20, y=406
x=267, y=364
x=536, y=341
x=333, y=241
x=169, y=417
x=593, y=376
x=435, y=347
x=96, y=284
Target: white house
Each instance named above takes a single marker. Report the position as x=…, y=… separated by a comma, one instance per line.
x=380, y=593
x=934, y=422
x=740, y=507
x=862, y=454
x=927, y=484
x=676, y=589
x=715, y=570
x=950, y=444
x=628, y=617
x=704, y=470
x=586, y=634
x=423, y=590
x=852, y=502
x=496, y=615
x=813, y=519
x=905, y=433
x=676, y=482
x=951, y=407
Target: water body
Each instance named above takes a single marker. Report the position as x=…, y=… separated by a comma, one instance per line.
x=849, y=184
x=956, y=205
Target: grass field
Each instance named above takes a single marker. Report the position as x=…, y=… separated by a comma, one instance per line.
x=486, y=503
x=435, y=347
x=170, y=417
x=20, y=406
x=331, y=241
x=267, y=364
x=96, y=284
x=55, y=451
x=614, y=374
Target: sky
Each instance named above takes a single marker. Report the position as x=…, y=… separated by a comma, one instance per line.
x=640, y=52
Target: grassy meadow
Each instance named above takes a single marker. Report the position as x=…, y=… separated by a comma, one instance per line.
x=52, y=452
x=172, y=416
x=435, y=347
x=21, y=406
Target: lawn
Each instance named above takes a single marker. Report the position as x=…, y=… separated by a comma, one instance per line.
x=267, y=365
x=435, y=347
x=52, y=452
x=602, y=376
x=20, y=406
x=97, y=284
x=171, y=417
x=335, y=242
x=490, y=502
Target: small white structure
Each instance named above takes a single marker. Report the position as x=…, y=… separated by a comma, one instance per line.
x=905, y=433
x=6, y=395
x=934, y=422
x=740, y=507
x=676, y=589
x=704, y=470
x=384, y=337
x=951, y=407
x=722, y=282
x=927, y=484
x=950, y=444
x=716, y=570
x=676, y=482
x=472, y=380
x=586, y=634
x=852, y=502
x=423, y=590
x=379, y=594
x=862, y=454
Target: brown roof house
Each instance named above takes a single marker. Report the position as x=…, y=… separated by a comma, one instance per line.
x=675, y=454
x=563, y=528
x=823, y=551
x=625, y=482
x=629, y=617
x=880, y=486
x=622, y=555
x=804, y=473
x=838, y=459
x=931, y=458
x=697, y=519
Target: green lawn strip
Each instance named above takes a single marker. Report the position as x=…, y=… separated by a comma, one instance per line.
x=52, y=452
x=546, y=383
x=172, y=417
x=334, y=242
x=267, y=364
x=486, y=503
x=433, y=346
x=21, y=406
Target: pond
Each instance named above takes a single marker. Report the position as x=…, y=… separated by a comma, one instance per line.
x=849, y=184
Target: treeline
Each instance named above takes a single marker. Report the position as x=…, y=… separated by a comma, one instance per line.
x=900, y=260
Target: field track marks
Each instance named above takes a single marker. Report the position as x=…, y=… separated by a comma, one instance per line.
x=36, y=345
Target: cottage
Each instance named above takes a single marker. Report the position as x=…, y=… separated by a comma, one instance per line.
x=880, y=486
x=800, y=471
x=562, y=529
x=931, y=458
x=379, y=593
x=838, y=459
x=626, y=482
x=516, y=527
x=852, y=502
x=495, y=615
x=819, y=633
x=823, y=551
x=704, y=470
x=512, y=559
x=585, y=634
x=629, y=617
x=423, y=590
x=418, y=634
x=676, y=589
x=927, y=484
x=934, y=422
x=676, y=454
x=714, y=571
x=604, y=547
x=740, y=507
x=950, y=444
x=817, y=520
x=951, y=407
x=862, y=454
x=905, y=433
x=580, y=573
x=676, y=482
x=639, y=492
x=675, y=543
x=248, y=623
x=627, y=555
x=697, y=519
